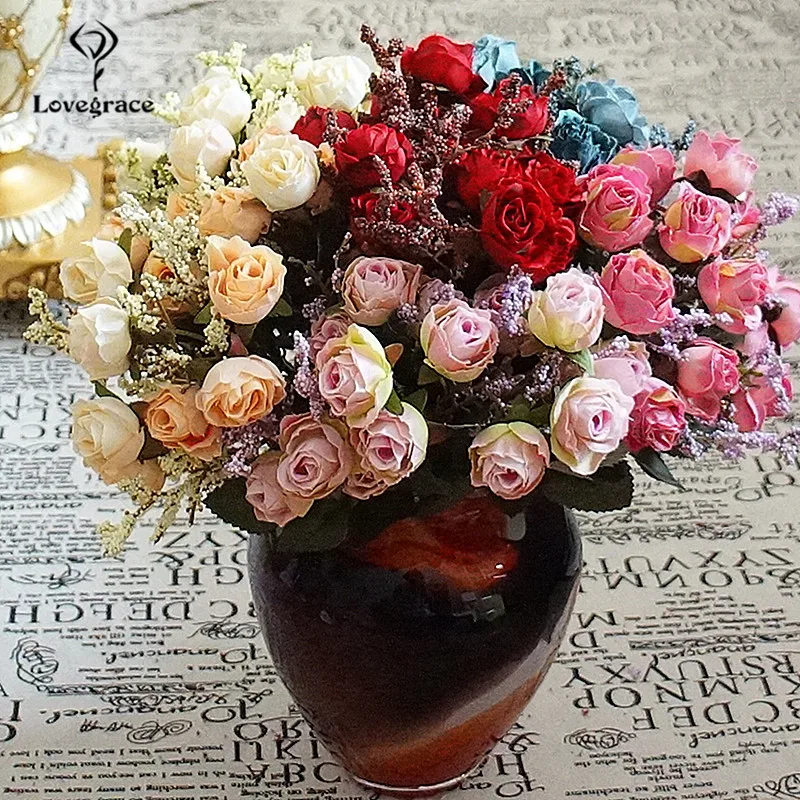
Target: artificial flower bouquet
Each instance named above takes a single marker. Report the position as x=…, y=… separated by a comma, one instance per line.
x=344, y=296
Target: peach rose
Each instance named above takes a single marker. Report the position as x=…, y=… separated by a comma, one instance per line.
x=113, y=227
x=316, y=460
x=174, y=419
x=617, y=211
x=695, y=226
x=355, y=377
x=241, y=390
x=657, y=163
x=638, y=293
x=373, y=288
x=179, y=205
x=269, y=501
x=707, y=372
x=588, y=421
x=459, y=341
x=363, y=484
x=509, y=458
x=736, y=287
x=245, y=282
x=392, y=447
x=568, y=313
x=722, y=161
x=231, y=211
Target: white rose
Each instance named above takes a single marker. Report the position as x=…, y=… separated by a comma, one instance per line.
x=98, y=274
x=99, y=339
x=339, y=82
x=206, y=142
x=219, y=97
x=282, y=114
x=283, y=171
x=108, y=436
x=148, y=153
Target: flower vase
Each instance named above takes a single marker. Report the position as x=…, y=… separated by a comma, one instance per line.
x=413, y=654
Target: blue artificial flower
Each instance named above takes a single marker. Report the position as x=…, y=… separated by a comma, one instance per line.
x=494, y=58
x=534, y=75
x=614, y=110
x=575, y=139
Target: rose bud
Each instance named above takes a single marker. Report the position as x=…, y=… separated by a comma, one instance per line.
x=629, y=368
x=722, y=161
x=786, y=328
x=442, y=62
x=355, y=154
x=657, y=163
x=658, y=418
x=372, y=288
x=234, y=212
x=478, y=172
x=98, y=274
x=173, y=418
x=707, y=372
x=312, y=125
x=269, y=501
x=736, y=287
x=100, y=339
x=531, y=122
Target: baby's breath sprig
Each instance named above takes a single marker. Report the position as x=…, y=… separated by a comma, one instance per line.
x=231, y=59
x=169, y=109
x=47, y=329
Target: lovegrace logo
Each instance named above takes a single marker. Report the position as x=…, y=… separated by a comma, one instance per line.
x=95, y=42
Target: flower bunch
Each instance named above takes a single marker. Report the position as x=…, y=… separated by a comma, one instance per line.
x=340, y=287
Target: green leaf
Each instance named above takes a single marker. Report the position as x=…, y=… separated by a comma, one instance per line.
x=427, y=375
x=324, y=527
x=583, y=358
x=418, y=399
x=282, y=309
x=521, y=410
x=654, y=465
x=394, y=405
x=101, y=390
x=229, y=503
x=204, y=315
x=609, y=489
x=125, y=241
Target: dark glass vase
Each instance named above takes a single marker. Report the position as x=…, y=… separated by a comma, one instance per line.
x=413, y=655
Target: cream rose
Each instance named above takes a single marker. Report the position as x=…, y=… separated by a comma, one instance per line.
x=108, y=436
x=509, y=458
x=269, y=501
x=99, y=338
x=339, y=82
x=373, y=288
x=234, y=212
x=174, y=419
x=568, y=313
x=245, y=282
x=282, y=171
x=113, y=227
x=219, y=96
x=316, y=460
x=392, y=447
x=98, y=274
x=588, y=421
x=203, y=142
x=355, y=377
x=238, y=391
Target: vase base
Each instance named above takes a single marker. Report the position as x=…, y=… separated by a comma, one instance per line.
x=413, y=791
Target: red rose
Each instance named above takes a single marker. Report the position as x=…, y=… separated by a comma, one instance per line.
x=480, y=170
x=557, y=179
x=356, y=152
x=531, y=122
x=365, y=206
x=312, y=125
x=522, y=226
x=444, y=63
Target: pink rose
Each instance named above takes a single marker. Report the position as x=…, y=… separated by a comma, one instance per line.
x=510, y=458
x=786, y=328
x=753, y=404
x=723, y=163
x=638, y=293
x=269, y=501
x=588, y=421
x=392, y=447
x=326, y=327
x=568, y=312
x=459, y=341
x=707, y=372
x=755, y=341
x=658, y=418
x=355, y=377
x=433, y=291
x=316, y=458
x=695, y=226
x=617, y=211
x=363, y=484
x=373, y=288
x=746, y=216
x=749, y=413
x=629, y=368
x=657, y=163
x=736, y=287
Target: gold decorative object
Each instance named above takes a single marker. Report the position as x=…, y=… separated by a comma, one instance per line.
x=47, y=207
